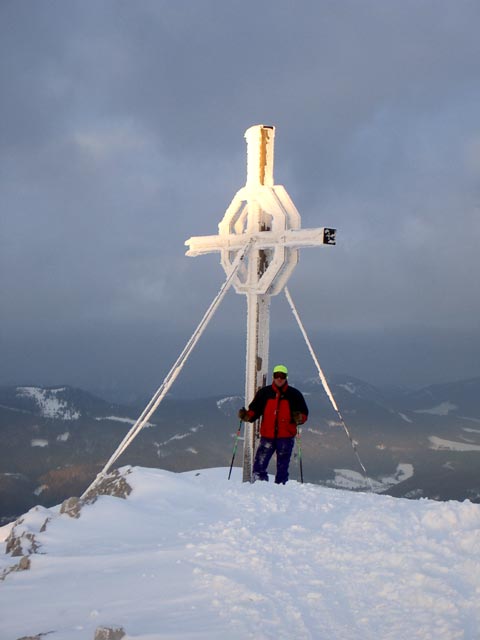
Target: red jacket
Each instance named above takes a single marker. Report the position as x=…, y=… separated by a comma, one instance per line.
x=276, y=406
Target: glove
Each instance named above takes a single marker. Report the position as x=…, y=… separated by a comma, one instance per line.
x=297, y=417
x=243, y=414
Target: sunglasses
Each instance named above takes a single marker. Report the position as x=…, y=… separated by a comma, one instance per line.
x=279, y=374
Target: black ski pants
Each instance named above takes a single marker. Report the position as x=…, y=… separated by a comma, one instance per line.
x=267, y=447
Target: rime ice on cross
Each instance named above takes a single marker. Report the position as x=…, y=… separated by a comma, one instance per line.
x=263, y=215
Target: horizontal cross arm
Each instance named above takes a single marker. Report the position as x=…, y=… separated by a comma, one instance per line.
x=293, y=238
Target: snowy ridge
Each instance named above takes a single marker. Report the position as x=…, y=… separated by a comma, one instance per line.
x=350, y=387
x=442, y=409
x=180, y=436
x=230, y=405
x=130, y=421
x=50, y=405
x=440, y=444
x=194, y=556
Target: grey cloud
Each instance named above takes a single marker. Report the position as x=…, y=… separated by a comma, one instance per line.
x=121, y=134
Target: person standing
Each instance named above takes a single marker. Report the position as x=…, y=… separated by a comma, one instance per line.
x=281, y=408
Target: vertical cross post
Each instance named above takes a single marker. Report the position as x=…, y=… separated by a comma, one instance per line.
x=260, y=149
x=262, y=214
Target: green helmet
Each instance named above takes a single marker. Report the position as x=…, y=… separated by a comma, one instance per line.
x=280, y=368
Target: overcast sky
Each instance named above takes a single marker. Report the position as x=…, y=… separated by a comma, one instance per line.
x=121, y=135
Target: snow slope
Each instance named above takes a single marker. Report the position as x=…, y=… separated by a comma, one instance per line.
x=194, y=556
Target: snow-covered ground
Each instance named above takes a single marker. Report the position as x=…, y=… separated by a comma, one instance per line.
x=194, y=556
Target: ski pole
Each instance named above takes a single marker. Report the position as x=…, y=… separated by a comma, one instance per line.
x=237, y=435
x=300, y=461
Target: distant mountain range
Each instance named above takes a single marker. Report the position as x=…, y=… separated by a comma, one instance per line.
x=426, y=443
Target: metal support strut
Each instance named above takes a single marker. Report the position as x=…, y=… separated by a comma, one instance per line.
x=326, y=387
x=173, y=373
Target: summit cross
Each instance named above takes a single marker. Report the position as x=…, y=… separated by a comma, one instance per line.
x=262, y=219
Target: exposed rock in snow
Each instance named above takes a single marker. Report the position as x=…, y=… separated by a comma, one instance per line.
x=109, y=633
x=113, y=484
x=22, y=538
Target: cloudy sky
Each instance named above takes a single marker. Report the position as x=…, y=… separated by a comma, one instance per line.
x=121, y=135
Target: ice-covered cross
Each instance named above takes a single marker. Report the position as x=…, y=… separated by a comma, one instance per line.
x=262, y=215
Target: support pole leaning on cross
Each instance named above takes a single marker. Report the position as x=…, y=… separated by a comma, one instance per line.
x=263, y=215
